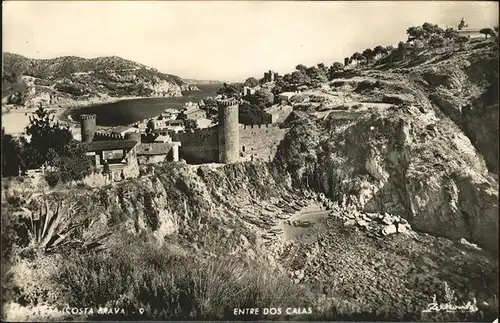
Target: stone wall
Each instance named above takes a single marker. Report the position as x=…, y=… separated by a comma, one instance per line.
x=200, y=146
x=261, y=140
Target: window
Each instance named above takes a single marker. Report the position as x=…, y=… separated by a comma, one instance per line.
x=243, y=148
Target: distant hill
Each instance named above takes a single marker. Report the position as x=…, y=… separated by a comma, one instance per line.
x=193, y=81
x=71, y=80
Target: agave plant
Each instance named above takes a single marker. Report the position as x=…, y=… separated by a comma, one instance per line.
x=52, y=227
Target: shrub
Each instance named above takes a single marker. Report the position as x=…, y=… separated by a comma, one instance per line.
x=172, y=287
x=53, y=178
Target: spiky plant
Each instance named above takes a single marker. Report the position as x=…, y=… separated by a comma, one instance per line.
x=53, y=226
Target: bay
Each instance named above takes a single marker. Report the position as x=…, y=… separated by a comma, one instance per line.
x=125, y=112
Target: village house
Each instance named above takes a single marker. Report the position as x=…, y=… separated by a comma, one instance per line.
x=170, y=114
x=163, y=138
x=157, y=152
x=249, y=90
x=118, y=156
x=286, y=96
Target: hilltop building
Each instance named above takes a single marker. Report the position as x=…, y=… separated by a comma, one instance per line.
x=468, y=32
x=270, y=76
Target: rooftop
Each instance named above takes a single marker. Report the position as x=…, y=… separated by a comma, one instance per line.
x=157, y=148
x=111, y=144
x=121, y=129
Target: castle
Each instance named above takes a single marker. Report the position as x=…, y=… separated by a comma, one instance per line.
x=229, y=141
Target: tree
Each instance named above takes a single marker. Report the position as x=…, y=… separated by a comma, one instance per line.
x=436, y=41
x=48, y=138
x=279, y=86
x=368, y=54
x=431, y=29
x=317, y=75
x=495, y=29
x=323, y=68
x=336, y=67
x=71, y=163
x=301, y=68
x=252, y=115
x=210, y=103
x=415, y=33
x=299, y=78
x=190, y=124
x=251, y=82
x=181, y=116
x=231, y=90
x=450, y=33
x=12, y=155
x=380, y=50
x=357, y=57
x=487, y=32
x=262, y=98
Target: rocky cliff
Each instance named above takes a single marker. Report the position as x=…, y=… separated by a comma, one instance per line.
x=73, y=80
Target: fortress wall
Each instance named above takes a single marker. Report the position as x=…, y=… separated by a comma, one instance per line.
x=261, y=140
x=199, y=146
x=102, y=136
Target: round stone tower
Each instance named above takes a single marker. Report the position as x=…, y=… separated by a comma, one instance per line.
x=229, y=133
x=88, y=127
x=136, y=136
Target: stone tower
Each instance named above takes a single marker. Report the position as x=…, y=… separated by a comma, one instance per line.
x=88, y=127
x=229, y=133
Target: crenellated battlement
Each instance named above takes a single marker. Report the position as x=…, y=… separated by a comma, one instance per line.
x=259, y=126
x=107, y=136
x=88, y=117
x=227, y=103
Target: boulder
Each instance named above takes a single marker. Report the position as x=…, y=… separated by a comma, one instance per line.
x=362, y=223
x=390, y=229
x=402, y=228
x=387, y=219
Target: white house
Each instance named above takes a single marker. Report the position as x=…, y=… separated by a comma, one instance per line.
x=286, y=96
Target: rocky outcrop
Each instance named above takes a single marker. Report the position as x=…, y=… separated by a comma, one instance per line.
x=416, y=166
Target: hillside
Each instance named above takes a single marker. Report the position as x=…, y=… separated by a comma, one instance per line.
x=382, y=196
x=69, y=80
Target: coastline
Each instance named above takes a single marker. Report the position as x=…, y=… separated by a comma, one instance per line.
x=17, y=117
x=63, y=111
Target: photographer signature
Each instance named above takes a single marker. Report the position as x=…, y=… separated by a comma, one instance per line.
x=447, y=307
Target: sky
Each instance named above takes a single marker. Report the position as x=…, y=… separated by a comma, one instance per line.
x=223, y=40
